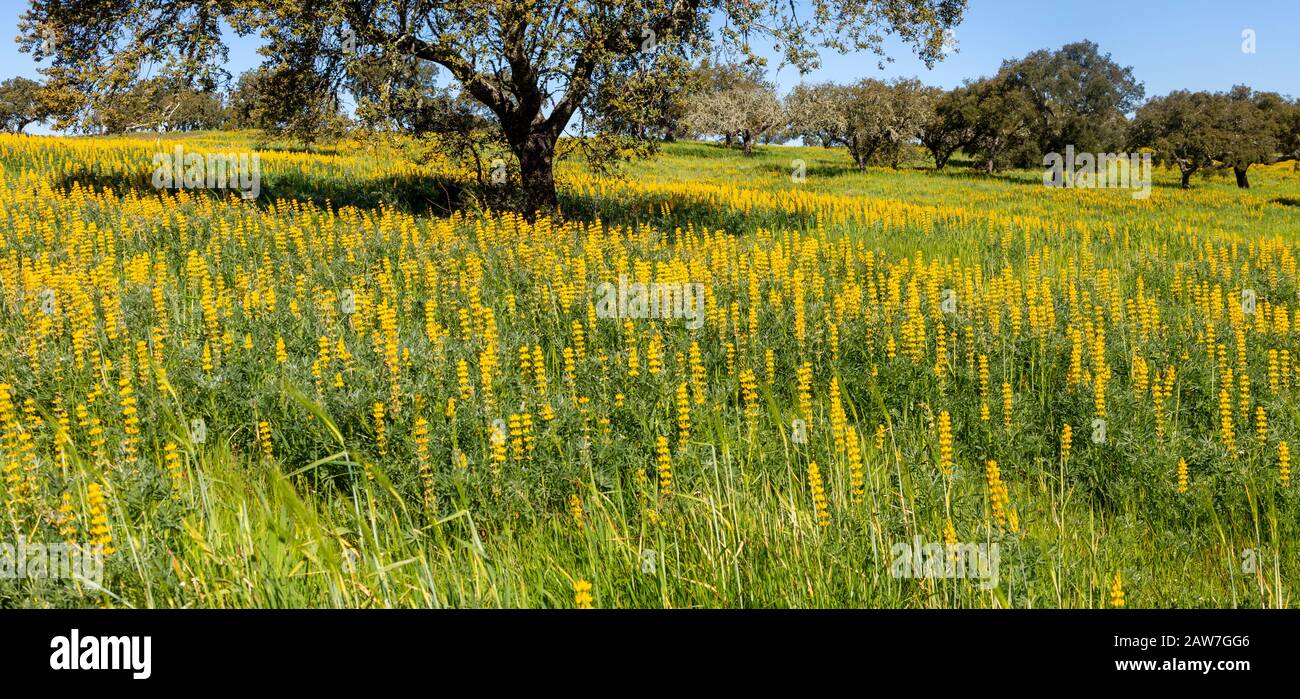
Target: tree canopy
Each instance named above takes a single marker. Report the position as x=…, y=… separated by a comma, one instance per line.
x=21, y=104
x=1203, y=131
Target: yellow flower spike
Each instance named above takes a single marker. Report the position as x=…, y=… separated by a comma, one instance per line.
x=945, y=443
x=665, y=465
x=575, y=509
x=1284, y=463
x=100, y=533
x=820, y=504
x=582, y=598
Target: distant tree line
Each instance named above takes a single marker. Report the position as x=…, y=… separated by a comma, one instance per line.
x=1042, y=103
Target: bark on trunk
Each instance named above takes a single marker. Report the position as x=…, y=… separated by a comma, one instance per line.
x=1187, y=179
x=536, y=170
x=748, y=142
x=1242, y=180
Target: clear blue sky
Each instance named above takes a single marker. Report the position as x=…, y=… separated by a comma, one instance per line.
x=1171, y=44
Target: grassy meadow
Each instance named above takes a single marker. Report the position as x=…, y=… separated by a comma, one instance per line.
x=341, y=394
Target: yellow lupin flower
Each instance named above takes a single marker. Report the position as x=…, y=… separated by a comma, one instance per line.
x=654, y=355
x=67, y=519
x=1007, y=405
x=999, y=502
x=582, y=594
x=263, y=435
x=698, y=376
x=820, y=505
x=575, y=508
x=420, y=436
x=1284, y=463
x=984, y=387
x=749, y=398
x=1261, y=425
x=683, y=401
x=950, y=542
x=945, y=443
x=665, y=465
x=100, y=533
x=804, y=376
x=1227, y=433
x=497, y=439
x=633, y=362
x=381, y=435
x=856, y=480
x=172, y=460
x=839, y=419
x=462, y=380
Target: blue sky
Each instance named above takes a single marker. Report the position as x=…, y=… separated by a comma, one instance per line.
x=1171, y=44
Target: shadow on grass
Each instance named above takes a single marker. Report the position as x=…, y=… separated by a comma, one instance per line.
x=421, y=195
x=413, y=194
x=813, y=170
x=424, y=195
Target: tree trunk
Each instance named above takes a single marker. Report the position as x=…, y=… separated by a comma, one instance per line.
x=478, y=165
x=1242, y=181
x=940, y=158
x=1187, y=179
x=728, y=137
x=536, y=156
x=748, y=141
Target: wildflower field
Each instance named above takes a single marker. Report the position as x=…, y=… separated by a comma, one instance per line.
x=337, y=394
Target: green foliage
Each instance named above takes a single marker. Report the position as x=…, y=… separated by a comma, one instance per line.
x=21, y=104
x=1203, y=131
